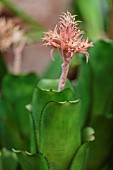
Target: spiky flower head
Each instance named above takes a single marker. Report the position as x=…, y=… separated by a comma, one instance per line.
x=9, y=33
x=67, y=38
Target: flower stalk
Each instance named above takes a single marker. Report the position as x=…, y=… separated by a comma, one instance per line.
x=11, y=35
x=65, y=69
x=18, y=58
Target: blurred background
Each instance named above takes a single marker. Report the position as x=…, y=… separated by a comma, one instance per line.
x=97, y=17
x=92, y=82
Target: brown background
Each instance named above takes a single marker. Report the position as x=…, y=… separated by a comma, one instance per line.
x=36, y=57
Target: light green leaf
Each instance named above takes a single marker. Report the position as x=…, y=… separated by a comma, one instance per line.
x=16, y=94
x=96, y=81
x=29, y=161
x=101, y=147
x=40, y=99
x=8, y=160
x=80, y=157
x=59, y=133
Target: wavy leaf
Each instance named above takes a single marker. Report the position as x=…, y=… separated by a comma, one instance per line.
x=40, y=99
x=59, y=133
x=29, y=161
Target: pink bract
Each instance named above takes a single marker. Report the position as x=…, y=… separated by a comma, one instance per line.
x=67, y=38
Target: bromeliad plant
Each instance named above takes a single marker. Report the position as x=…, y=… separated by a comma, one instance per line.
x=60, y=112
x=56, y=139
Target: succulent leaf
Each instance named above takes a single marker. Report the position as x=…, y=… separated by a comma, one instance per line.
x=78, y=162
x=58, y=137
x=40, y=98
x=29, y=161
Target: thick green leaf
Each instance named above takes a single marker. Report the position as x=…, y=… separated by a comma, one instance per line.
x=84, y=86
x=78, y=162
x=59, y=133
x=40, y=99
x=96, y=91
x=96, y=81
x=9, y=135
x=16, y=94
x=15, y=87
x=101, y=148
x=29, y=161
x=8, y=160
x=53, y=84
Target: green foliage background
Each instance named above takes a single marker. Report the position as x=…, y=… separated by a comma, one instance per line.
x=55, y=132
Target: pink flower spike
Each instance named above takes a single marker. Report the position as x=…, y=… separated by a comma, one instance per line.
x=67, y=38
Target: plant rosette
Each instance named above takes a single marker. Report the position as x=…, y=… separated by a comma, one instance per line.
x=55, y=130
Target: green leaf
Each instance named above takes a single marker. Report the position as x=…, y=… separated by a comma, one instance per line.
x=59, y=133
x=9, y=135
x=84, y=90
x=54, y=68
x=8, y=160
x=101, y=147
x=53, y=84
x=95, y=80
x=29, y=161
x=78, y=162
x=16, y=94
x=96, y=92
x=40, y=99
x=15, y=87
x=94, y=14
